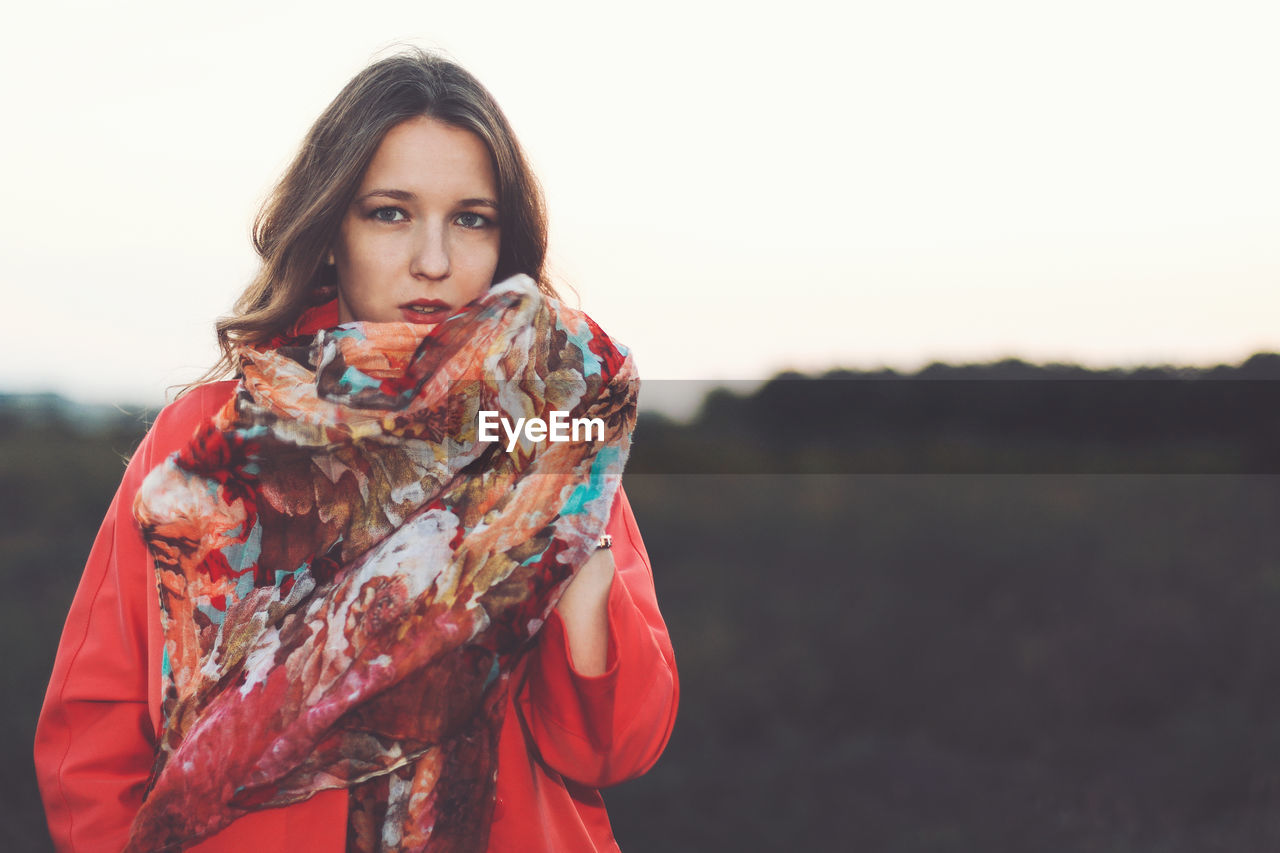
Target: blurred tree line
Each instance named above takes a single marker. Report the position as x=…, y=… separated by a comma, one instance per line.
x=994, y=607
x=1007, y=417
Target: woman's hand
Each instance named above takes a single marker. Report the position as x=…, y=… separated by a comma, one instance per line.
x=584, y=609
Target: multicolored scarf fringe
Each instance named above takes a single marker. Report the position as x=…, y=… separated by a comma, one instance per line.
x=347, y=573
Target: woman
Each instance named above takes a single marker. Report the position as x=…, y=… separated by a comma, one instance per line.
x=324, y=613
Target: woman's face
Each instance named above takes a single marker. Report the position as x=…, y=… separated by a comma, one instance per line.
x=420, y=240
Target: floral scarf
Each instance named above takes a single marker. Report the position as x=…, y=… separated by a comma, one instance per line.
x=347, y=573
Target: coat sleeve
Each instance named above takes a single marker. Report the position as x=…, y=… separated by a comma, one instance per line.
x=95, y=739
x=605, y=729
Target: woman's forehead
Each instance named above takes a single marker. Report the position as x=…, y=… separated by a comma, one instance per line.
x=424, y=156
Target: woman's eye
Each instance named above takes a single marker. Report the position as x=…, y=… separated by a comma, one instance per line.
x=472, y=220
x=388, y=214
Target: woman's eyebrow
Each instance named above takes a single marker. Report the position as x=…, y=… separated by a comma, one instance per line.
x=399, y=195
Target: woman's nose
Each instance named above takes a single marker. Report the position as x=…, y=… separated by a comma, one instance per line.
x=431, y=254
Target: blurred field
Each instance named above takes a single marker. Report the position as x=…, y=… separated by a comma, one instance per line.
x=882, y=662
x=957, y=663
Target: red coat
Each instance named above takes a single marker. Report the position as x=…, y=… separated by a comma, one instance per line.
x=564, y=735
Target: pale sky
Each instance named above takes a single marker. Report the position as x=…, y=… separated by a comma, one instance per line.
x=731, y=193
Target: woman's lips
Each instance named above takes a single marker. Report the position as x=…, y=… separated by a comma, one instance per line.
x=425, y=311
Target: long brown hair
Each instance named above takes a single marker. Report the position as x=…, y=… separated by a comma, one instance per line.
x=300, y=220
